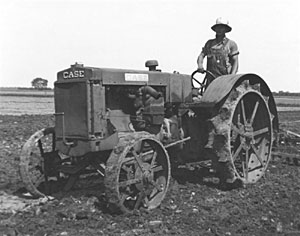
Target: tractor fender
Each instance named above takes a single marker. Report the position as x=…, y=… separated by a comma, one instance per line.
x=221, y=87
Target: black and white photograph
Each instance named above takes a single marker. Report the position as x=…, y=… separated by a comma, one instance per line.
x=149, y=117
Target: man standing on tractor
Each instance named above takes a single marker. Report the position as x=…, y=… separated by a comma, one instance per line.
x=222, y=59
x=221, y=52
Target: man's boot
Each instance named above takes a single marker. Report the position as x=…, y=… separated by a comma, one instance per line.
x=228, y=178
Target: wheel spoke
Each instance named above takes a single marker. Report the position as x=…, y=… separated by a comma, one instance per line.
x=157, y=168
x=129, y=160
x=254, y=112
x=245, y=164
x=257, y=154
x=129, y=182
x=243, y=111
x=153, y=159
x=237, y=152
x=239, y=119
x=146, y=155
x=138, y=160
x=261, y=131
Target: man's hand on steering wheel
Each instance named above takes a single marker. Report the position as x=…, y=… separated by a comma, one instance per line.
x=201, y=70
x=204, y=84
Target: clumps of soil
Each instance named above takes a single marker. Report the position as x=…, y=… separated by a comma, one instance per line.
x=193, y=204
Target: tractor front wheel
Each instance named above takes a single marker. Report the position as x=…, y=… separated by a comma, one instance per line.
x=37, y=163
x=137, y=173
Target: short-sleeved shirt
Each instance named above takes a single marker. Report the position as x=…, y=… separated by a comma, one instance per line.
x=219, y=55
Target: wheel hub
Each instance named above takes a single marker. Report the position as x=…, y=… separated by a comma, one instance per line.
x=145, y=175
x=248, y=131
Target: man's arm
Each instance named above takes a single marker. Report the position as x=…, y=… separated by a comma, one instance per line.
x=235, y=64
x=200, y=61
x=234, y=57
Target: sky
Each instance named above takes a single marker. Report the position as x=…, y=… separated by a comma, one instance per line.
x=41, y=37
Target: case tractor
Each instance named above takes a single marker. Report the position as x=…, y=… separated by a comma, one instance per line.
x=131, y=127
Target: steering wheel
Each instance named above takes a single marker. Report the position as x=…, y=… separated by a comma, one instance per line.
x=204, y=84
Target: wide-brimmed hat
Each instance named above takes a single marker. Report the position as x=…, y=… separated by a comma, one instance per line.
x=223, y=22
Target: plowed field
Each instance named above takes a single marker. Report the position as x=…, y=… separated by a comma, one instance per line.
x=193, y=205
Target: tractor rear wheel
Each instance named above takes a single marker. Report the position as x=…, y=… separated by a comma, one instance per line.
x=137, y=173
x=243, y=133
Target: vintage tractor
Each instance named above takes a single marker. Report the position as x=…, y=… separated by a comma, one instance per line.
x=129, y=127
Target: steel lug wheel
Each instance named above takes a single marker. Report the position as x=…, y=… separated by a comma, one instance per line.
x=137, y=173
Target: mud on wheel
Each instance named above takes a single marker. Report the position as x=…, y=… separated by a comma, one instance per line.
x=37, y=156
x=137, y=173
x=244, y=127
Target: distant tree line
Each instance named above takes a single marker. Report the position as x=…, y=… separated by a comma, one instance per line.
x=282, y=93
x=32, y=88
x=39, y=83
